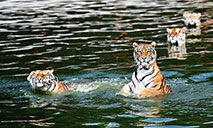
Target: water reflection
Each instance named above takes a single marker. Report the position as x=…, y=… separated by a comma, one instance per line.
x=148, y=107
x=193, y=35
x=35, y=122
x=177, y=51
x=193, y=31
x=144, y=111
x=207, y=23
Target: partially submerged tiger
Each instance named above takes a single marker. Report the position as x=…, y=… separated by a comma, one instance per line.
x=176, y=39
x=44, y=80
x=147, y=80
x=192, y=19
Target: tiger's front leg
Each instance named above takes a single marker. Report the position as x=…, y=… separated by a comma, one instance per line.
x=126, y=89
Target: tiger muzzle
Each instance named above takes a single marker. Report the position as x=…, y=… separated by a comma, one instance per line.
x=192, y=25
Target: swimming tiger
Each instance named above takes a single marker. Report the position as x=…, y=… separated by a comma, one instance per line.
x=44, y=80
x=192, y=19
x=176, y=35
x=147, y=80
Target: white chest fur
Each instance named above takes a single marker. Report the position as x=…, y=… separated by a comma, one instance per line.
x=142, y=79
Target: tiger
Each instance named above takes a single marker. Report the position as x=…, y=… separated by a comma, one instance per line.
x=192, y=19
x=44, y=80
x=176, y=35
x=147, y=80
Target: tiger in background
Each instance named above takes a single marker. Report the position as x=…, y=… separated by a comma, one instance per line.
x=193, y=23
x=44, y=80
x=147, y=80
x=176, y=39
x=192, y=19
x=176, y=35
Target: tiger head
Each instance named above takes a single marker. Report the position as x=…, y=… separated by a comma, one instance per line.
x=145, y=55
x=192, y=19
x=176, y=35
x=41, y=79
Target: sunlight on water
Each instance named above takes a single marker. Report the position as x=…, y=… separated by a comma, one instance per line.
x=158, y=120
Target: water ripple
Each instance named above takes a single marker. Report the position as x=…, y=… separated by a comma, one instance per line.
x=90, y=41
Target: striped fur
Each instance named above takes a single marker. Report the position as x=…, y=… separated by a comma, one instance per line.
x=192, y=19
x=147, y=80
x=44, y=80
x=176, y=35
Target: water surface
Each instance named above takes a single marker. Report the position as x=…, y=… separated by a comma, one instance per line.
x=89, y=42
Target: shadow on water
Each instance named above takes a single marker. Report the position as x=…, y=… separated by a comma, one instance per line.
x=88, y=43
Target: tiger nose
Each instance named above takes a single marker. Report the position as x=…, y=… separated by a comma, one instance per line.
x=39, y=79
x=143, y=58
x=174, y=37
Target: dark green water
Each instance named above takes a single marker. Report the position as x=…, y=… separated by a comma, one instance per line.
x=89, y=42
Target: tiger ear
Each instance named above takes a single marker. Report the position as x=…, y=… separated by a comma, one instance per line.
x=198, y=15
x=135, y=45
x=153, y=44
x=30, y=75
x=168, y=30
x=51, y=71
x=184, y=28
x=185, y=14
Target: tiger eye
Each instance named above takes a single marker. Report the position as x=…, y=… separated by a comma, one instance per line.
x=139, y=50
x=148, y=49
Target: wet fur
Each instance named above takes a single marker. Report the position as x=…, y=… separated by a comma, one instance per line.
x=192, y=19
x=147, y=80
x=176, y=35
x=46, y=81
